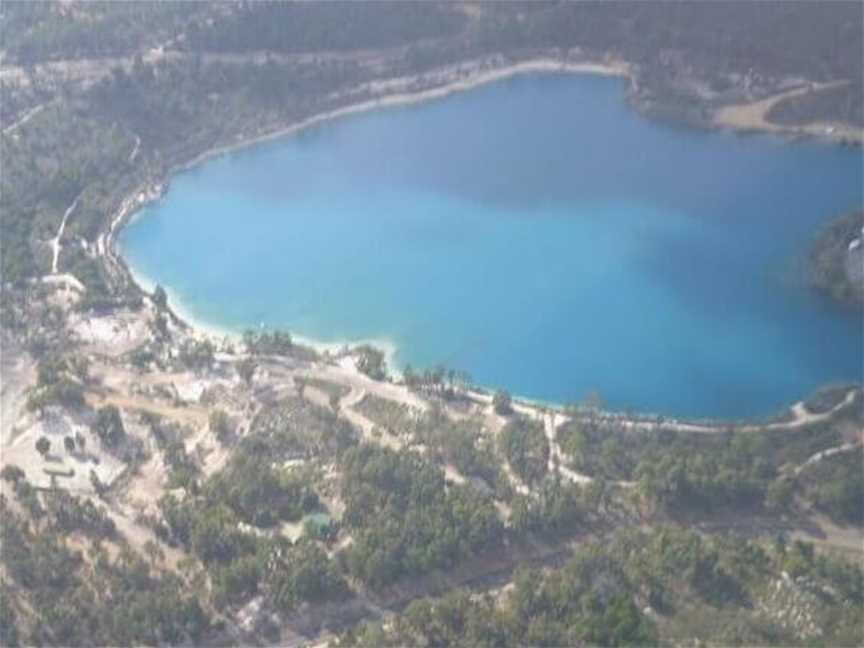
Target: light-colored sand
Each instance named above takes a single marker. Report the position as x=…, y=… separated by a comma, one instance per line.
x=399, y=91
x=72, y=468
x=753, y=116
x=113, y=334
x=402, y=91
x=445, y=81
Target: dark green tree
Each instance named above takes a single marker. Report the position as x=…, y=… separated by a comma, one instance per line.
x=502, y=402
x=109, y=426
x=43, y=446
x=159, y=297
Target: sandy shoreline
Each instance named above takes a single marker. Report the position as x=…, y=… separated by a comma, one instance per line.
x=443, y=82
x=454, y=79
x=202, y=329
x=454, y=85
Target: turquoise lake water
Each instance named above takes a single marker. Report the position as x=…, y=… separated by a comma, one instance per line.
x=537, y=233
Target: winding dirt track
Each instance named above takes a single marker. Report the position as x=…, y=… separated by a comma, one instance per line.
x=23, y=119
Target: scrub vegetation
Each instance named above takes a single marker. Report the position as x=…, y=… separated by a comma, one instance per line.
x=732, y=470
x=161, y=486
x=836, y=263
x=444, y=503
x=685, y=583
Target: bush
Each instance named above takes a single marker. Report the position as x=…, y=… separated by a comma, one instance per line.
x=265, y=342
x=55, y=384
x=502, y=402
x=197, y=354
x=305, y=574
x=159, y=297
x=371, y=362
x=526, y=448
x=109, y=426
x=220, y=425
x=12, y=474
x=405, y=521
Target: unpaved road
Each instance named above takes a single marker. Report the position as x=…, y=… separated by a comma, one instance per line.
x=753, y=116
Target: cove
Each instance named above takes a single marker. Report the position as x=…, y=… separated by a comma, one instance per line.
x=536, y=232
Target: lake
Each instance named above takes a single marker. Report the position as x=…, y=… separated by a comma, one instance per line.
x=537, y=233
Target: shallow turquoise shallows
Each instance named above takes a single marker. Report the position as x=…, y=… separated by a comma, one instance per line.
x=536, y=233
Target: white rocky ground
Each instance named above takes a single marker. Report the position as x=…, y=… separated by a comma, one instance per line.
x=68, y=470
x=114, y=334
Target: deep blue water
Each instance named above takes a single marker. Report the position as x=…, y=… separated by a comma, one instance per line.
x=537, y=233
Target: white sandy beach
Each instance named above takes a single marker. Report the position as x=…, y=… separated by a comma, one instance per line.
x=393, y=92
x=449, y=80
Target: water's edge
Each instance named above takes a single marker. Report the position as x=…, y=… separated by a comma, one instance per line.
x=155, y=190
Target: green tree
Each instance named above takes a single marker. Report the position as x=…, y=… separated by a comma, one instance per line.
x=237, y=581
x=8, y=628
x=80, y=366
x=409, y=377
x=502, y=402
x=159, y=297
x=154, y=552
x=305, y=573
x=334, y=400
x=779, y=495
x=160, y=323
x=98, y=485
x=524, y=444
x=109, y=426
x=370, y=361
x=215, y=537
x=246, y=370
x=220, y=425
x=197, y=354
x=300, y=383
x=43, y=446
x=12, y=474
